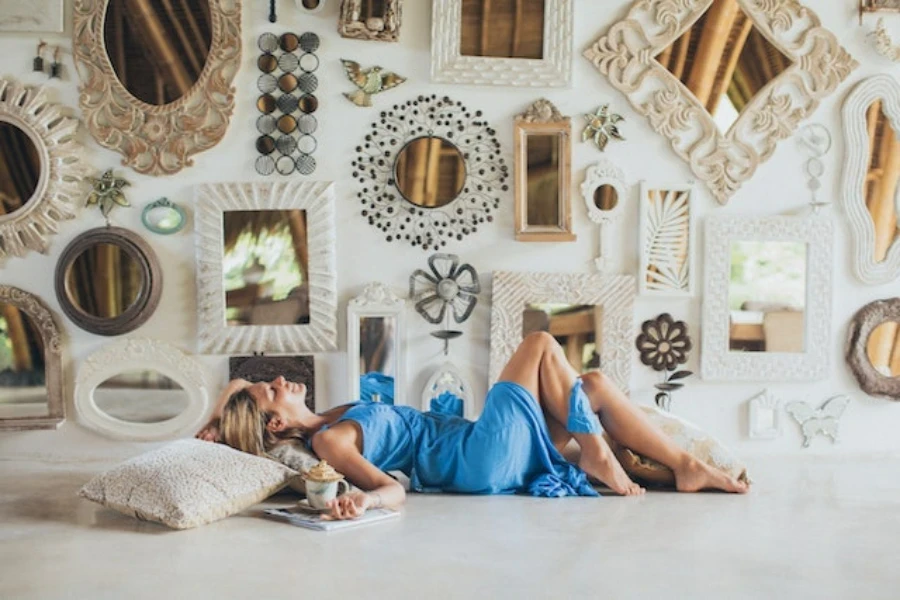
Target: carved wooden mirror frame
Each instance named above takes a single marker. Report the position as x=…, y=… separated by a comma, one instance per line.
x=626, y=56
x=864, y=323
x=43, y=319
x=157, y=140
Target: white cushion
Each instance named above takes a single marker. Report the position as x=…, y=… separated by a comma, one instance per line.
x=188, y=483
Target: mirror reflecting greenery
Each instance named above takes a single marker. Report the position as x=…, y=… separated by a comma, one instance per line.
x=883, y=348
x=104, y=281
x=20, y=168
x=543, y=179
x=430, y=172
x=577, y=327
x=23, y=389
x=881, y=180
x=158, y=49
x=767, y=296
x=141, y=396
x=606, y=197
x=266, y=267
x=502, y=28
x=724, y=60
x=377, y=358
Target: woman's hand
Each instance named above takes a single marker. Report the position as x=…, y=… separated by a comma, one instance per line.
x=210, y=432
x=351, y=505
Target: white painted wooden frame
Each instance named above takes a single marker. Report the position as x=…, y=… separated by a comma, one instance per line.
x=512, y=292
x=717, y=362
x=141, y=354
x=597, y=175
x=663, y=229
x=724, y=161
x=317, y=199
x=377, y=300
x=449, y=378
x=757, y=407
x=856, y=167
x=449, y=66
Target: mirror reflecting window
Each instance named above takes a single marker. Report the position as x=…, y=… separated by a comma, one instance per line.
x=430, y=172
x=377, y=358
x=577, y=328
x=266, y=267
x=502, y=28
x=606, y=197
x=767, y=296
x=880, y=187
x=141, y=396
x=20, y=168
x=883, y=349
x=158, y=49
x=724, y=60
x=23, y=387
x=543, y=174
x=104, y=280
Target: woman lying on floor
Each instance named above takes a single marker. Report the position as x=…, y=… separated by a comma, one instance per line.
x=538, y=405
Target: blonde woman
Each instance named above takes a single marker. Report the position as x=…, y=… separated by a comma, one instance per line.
x=536, y=408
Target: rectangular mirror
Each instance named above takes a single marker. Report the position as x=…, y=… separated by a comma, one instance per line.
x=376, y=346
x=377, y=358
x=23, y=386
x=577, y=327
x=502, y=28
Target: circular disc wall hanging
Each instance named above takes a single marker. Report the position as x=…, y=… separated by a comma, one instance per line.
x=431, y=172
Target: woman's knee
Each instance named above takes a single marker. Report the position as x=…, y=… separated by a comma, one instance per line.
x=596, y=381
x=538, y=340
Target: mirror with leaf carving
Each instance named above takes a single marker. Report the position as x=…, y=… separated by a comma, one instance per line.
x=577, y=327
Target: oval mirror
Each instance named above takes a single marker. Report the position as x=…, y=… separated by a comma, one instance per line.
x=103, y=281
x=163, y=217
x=606, y=197
x=20, y=165
x=883, y=349
x=430, y=172
x=141, y=396
x=158, y=49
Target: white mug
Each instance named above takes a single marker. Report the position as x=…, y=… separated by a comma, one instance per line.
x=320, y=493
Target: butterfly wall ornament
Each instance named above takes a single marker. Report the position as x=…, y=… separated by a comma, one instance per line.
x=823, y=420
x=370, y=82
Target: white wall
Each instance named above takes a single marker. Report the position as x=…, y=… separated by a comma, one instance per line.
x=870, y=424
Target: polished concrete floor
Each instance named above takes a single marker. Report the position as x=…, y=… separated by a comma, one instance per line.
x=811, y=528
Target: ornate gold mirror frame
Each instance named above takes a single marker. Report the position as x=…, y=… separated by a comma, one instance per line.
x=157, y=140
x=626, y=55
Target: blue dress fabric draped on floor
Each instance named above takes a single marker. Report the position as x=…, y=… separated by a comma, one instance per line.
x=507, y=450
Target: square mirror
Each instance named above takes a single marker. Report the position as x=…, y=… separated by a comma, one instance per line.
x=376, y=346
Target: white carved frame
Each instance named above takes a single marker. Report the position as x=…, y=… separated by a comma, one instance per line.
x=449, y=378
x=513, y=291
x=141, y=354
x=644, y=221
x=449, y=66
x=756, y=407
x=599, y=174
x=626, y=56
x=377, y=300
x=717, y=362
x=58, y=194
x=317, y=199
x=856, y=167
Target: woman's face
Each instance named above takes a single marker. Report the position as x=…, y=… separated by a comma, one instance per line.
x=280, y=398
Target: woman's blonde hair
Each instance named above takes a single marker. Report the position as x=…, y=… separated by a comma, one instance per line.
x=243, y=426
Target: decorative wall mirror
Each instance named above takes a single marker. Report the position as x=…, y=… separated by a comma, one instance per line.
x=164, y=217
x=140, y=389
x=871, y=177
x=667, y=240
x=723, y=80
x=371, y=19
x=41, y=169
x=525, y=43
x=543, y=156
x=266, y=280
x=605, y=195
x=591, y=316
x=31, y=375
x=376, y=345
x=108, y=281
x=873, y=348
x=430, y=171
x=447, y=391
x=157, y=77
x=767, y=303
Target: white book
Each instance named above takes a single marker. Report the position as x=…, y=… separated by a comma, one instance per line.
x=319, y=523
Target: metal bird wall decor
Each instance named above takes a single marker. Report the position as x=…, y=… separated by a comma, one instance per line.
x=370, y=82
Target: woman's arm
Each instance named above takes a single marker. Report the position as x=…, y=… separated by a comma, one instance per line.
x=210, y=431
x=339, y=446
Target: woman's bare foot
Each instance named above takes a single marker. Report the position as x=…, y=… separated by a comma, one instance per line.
x=694, y=476
x=609, y=471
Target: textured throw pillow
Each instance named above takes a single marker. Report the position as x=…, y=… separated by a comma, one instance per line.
x=688, y=437
x=188, y=483
x=295, y=455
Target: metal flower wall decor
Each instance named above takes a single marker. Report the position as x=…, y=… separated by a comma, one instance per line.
x=107, y=192
x=601, y=127
x=664, y=344
x=449, y=288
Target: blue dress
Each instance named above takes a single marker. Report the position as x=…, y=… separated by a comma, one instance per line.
x=507, y=450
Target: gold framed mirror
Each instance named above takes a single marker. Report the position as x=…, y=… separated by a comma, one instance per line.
x=543, y=148
x=157, y=76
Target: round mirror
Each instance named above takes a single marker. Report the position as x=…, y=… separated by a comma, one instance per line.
x=104, y=280
x=20, y=165
x=266, y=104
x=430, y=172
x=289, y=42
x=287, y=83
x=308, y=103
x=883, y=349
x=606, y=197
x=141, y=396
x=163, y=217
x=158, y=49
x=267, y=63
